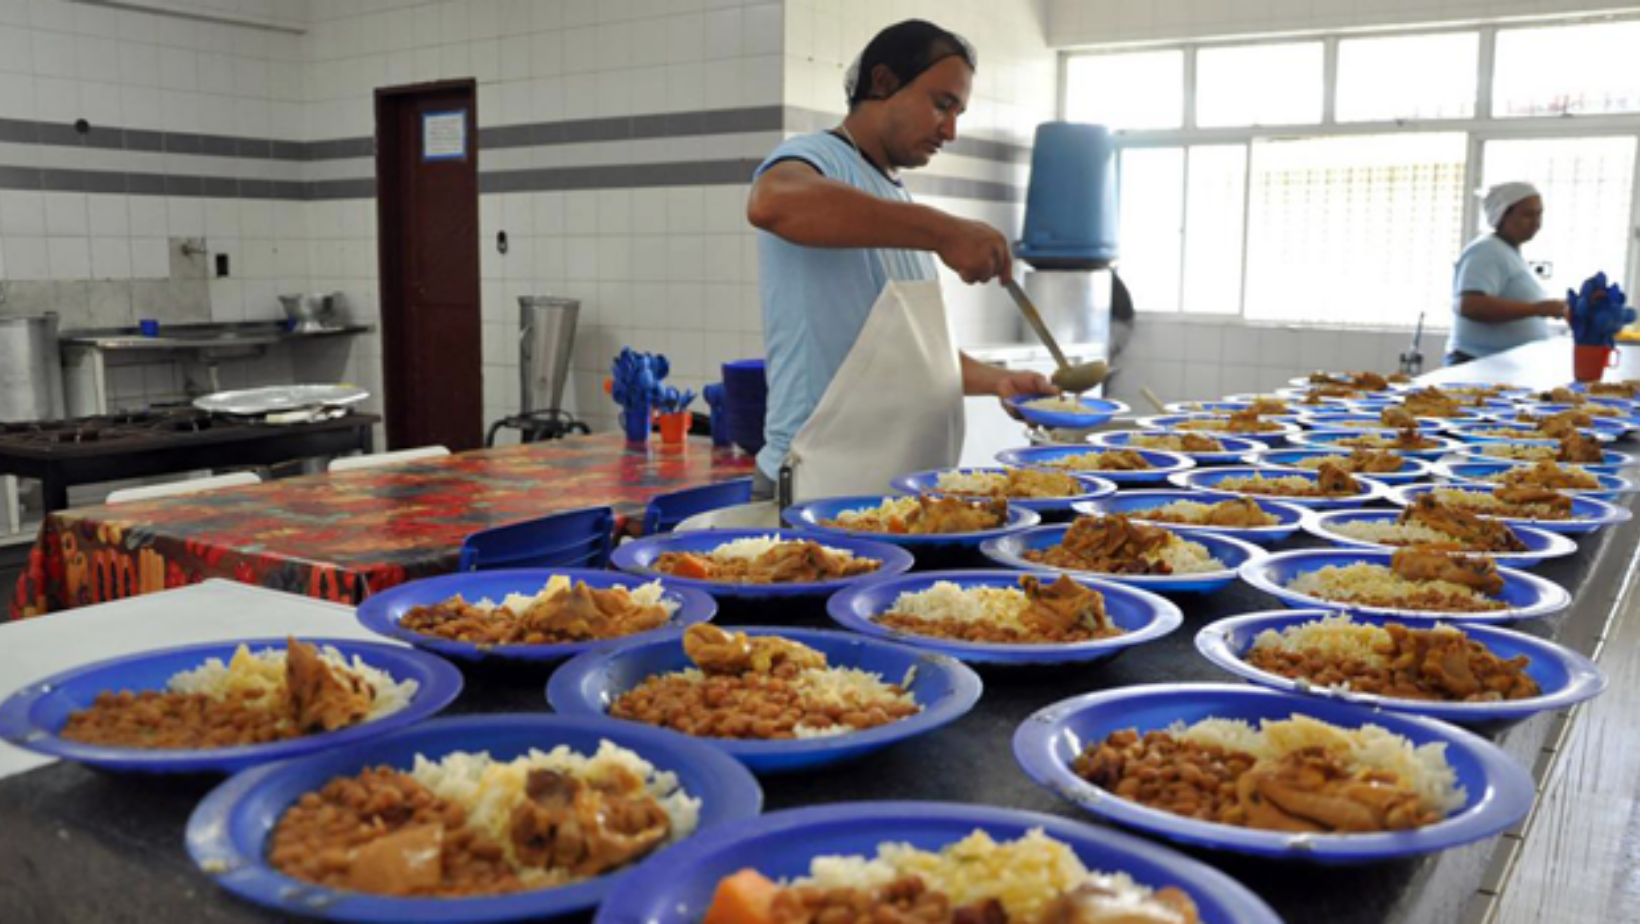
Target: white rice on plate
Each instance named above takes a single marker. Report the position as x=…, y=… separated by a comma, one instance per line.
x=489, y=789
x=264, y=672
x=1061, y=405
x=1024, y=875
x=1424, y=768
x=753, y=547
x=972, y=482
x=1191, y=512
x=1364, y=580
x=949, y=600
x=890, y=507
x=1388, y=532
x=1267, y=484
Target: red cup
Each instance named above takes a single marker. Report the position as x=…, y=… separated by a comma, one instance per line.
x=1590, y=362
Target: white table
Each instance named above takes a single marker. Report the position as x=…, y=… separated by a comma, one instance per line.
x=213, y=611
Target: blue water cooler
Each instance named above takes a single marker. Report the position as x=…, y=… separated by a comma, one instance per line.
x=1072, y=214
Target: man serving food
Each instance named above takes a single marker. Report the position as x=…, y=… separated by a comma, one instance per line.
x=864, y=381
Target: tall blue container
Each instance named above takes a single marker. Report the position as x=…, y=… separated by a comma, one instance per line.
x=745, y=394
x=1071, y=206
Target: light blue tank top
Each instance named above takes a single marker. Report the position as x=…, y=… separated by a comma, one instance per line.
x=816, y=300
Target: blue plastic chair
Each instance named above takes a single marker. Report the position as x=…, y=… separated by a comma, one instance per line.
x=666, y=511
x=578, y=539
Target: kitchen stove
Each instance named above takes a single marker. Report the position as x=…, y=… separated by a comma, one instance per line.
x=164, y=440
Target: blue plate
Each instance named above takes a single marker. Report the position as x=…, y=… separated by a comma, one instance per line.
x=1288, y=426
x=1499, y=791
x=1526, y=596
x=1350, y=421
x=924, y=483
x=781, y=844
x=381, y=613
x=1142, y=617
x=1611, y=486
x=1128, y=502
x=1540, y=544
x=638, y=556
x=228, y=833
x=1330, y=439
x=1222, y=406
x=1162, y=464
x=1099, y=411
x=1009, y=551
x=1563, y=676
x=33, y=716
x=1234, y=446
x=1610, y=428
x=1207, y=481
x=807, y=517
x=1412, y=469
x=1488, y=431
x=946, y=689
x=1612, y=462
x=1588, y=514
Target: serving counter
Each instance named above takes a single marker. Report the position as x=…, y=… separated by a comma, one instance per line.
x=82, y=845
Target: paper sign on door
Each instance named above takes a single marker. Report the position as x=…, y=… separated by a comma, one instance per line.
x=444, y=135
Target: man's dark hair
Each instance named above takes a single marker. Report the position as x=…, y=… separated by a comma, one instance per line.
x=905, y=50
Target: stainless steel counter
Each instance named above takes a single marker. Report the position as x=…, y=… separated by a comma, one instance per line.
x=174, y=337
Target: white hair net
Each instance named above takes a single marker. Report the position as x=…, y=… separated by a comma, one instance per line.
x=1500, y=197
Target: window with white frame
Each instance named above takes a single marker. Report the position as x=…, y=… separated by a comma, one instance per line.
x=1358, y=230
x=1126, y=91
x=1332, y=180
x=1566, y=70
x=1277, y=84
x=1408, y=77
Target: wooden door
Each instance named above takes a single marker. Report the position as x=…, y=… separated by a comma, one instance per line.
x=427, y=219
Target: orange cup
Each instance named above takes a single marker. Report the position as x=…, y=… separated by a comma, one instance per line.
x=674, y=427
x=1590, y=362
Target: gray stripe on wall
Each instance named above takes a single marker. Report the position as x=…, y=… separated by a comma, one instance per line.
x=535, y=134
x=546, y=179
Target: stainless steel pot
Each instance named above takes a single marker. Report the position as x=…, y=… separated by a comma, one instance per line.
x=31, y=369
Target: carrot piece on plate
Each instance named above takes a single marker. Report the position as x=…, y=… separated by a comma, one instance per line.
x=743, y=898
x=688, y=566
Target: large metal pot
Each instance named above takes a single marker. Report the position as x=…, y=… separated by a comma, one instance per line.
x=315, y=311
x=31, y=369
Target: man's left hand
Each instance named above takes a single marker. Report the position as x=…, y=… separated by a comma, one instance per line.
x=1015, y=384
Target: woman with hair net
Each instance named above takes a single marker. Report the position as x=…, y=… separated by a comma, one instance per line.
x=1496, y=301
x=865, y=382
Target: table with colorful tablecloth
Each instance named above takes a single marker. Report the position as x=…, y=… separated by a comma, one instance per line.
x=341, y=536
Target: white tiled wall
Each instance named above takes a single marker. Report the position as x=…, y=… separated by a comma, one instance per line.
x=1200, y=359
x=1092, y=22
x=660, y=269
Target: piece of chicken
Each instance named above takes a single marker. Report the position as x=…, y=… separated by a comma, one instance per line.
x=945, y=515
x=1397, y=417
x=566, y=824
x=1548, y=474
x=1333, y=479
x=1473, y=571
x=1108, y=544
x=1062, y=606
x=716, y=651
x=1365, y=461
x=408, y=861
x=322, y=699
x=1471, y=532
x=1309, y=790
x=1237, y=512
x=1575, y=447
x=1195, y=442
x=1559, y=505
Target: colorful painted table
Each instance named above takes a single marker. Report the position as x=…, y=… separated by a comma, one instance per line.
x=341, y=536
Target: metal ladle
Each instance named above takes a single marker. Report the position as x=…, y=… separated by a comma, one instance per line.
x=1074, y=379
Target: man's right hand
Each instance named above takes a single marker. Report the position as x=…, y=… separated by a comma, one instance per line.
x=975, y=251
